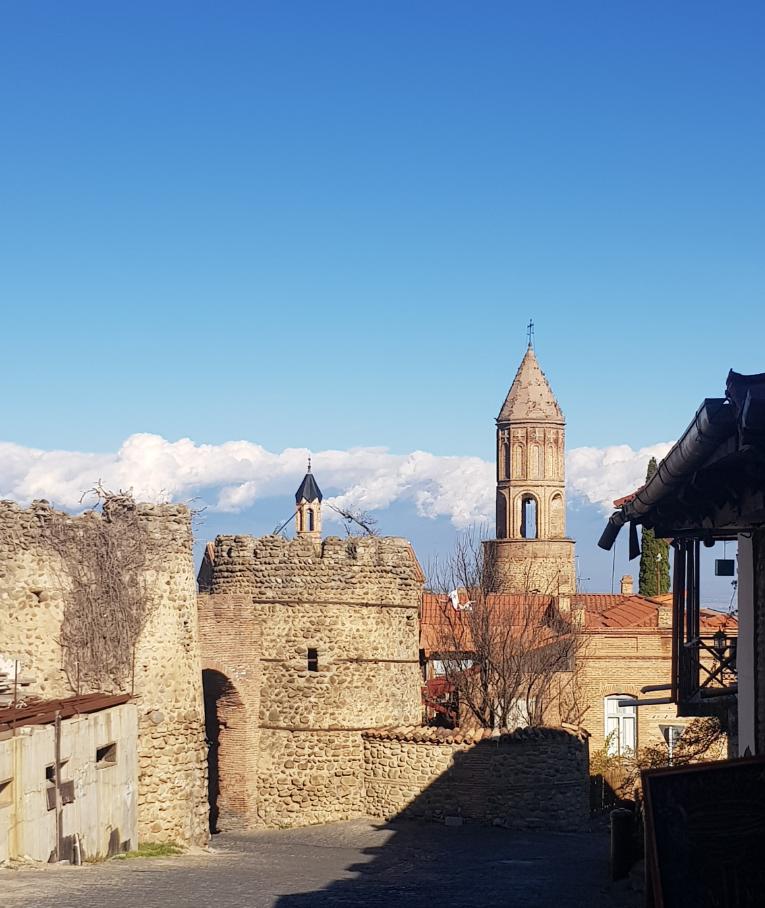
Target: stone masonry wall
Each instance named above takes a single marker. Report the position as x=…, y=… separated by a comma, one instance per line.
x=368, y=666
x=357, y=569
x=167, y=685
x=530, y=778
x=527, y=565
x=307, y=777
x=355, y=603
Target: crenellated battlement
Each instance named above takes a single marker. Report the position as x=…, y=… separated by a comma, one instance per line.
x=168, y=526
x=358, y=569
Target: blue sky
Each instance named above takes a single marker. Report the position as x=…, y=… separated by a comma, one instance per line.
x=326, y=225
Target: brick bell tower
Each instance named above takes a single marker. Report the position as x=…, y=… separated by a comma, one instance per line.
x=531, y=552
x=308, y=507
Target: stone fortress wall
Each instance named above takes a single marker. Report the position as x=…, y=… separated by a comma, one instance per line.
x=354, y=605
x=529, y=778
x=342, y=737
x=165, y=677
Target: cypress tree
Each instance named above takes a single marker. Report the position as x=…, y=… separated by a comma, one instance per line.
x=653, y=582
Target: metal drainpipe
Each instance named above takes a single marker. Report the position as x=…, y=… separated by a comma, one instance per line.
x=57, y=780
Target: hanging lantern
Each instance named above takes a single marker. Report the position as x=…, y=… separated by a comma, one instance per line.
x=720, y=644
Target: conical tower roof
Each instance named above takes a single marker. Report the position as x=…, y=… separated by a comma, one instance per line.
x=309, y=489
x=530, y=396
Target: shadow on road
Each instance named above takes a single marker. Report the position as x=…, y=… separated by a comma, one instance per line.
x=426, y=864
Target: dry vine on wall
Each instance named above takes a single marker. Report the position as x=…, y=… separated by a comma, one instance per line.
x=104, y=557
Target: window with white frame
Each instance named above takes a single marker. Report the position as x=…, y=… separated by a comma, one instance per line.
x=621, y=726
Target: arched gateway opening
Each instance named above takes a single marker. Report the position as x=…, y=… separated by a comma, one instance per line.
x=226, y=772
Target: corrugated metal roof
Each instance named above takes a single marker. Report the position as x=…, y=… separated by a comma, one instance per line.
x=43, y=712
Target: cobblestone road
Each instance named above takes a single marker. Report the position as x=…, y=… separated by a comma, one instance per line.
x=355, y=863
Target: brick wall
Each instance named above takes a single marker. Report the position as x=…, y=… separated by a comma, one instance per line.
x=622, y=662
x=532, y=565
x=231, y=644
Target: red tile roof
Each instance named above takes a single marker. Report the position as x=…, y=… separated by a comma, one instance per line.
x=711, y=619
x=602, y=611
x=618, y=502
x=441, y=624
x=433, y=604
x=615, y=610
x=426, y=734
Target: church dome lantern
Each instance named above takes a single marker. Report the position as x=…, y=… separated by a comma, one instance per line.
x=308, y=500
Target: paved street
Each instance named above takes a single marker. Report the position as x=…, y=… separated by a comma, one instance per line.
x=353, y=863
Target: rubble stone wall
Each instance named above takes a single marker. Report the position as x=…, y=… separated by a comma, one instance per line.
x=338, y=653
x=166, y=677
x=357, y=569
x=307, y=777
x=530, y=778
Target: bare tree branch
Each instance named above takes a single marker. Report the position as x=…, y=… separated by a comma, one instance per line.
x=102, y=577
x=511, y=659
x=362, y=519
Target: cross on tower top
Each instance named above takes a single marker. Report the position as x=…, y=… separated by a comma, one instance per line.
x=530, y=332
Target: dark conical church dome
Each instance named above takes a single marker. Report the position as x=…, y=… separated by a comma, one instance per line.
x=309, y=489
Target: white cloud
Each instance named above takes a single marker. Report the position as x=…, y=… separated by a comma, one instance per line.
x=236, y=498
x=599, y=475
x=234, y=475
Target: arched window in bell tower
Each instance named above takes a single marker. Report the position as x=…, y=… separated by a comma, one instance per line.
x=501, y=515
x=310, y=527
x=506, y=460
x=529, y=517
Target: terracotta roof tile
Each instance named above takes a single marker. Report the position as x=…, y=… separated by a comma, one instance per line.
x=712, y=621
x=441, y=623
x=430, y=734
x=601, y=611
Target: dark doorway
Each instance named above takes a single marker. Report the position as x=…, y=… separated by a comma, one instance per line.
x=222, y=706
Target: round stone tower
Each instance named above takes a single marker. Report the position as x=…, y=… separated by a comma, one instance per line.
x=531, y=552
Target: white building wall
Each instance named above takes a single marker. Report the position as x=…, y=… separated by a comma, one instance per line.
x=104, y=806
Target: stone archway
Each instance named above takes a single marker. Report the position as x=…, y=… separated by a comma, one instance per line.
x=227, y=757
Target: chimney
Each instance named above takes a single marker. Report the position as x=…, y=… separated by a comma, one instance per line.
x=627, y=585
x=665, y=614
